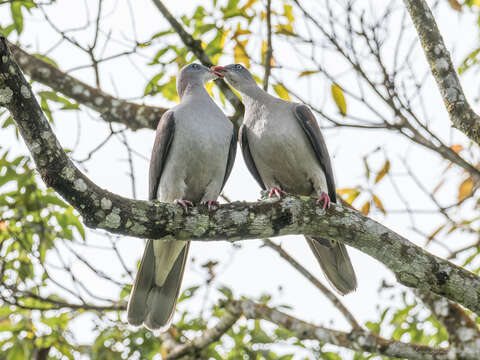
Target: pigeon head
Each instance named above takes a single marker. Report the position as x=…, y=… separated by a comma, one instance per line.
x=238, y=76
x=194, y=74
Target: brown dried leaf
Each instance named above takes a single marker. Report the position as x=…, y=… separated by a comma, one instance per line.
x=455, y=5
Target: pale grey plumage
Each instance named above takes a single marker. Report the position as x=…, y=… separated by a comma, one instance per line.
x=191, y=159
x=283, y=147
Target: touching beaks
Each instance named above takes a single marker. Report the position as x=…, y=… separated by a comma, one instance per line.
x=218, y=70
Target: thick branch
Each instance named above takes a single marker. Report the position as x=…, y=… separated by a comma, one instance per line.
x=412, y=265
x=462, y=330
x=134, y=116
x=208, y=337
x=461, y=114
x=269, y=52
x=195, y=47
x=358, y=340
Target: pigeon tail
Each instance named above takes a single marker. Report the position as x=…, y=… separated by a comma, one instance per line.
x=335, y=263
x=149, y=303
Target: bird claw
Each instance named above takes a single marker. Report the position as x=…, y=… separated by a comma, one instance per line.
x=277, y=192
x=184, y=203
x=210, y=203
x=326, y=200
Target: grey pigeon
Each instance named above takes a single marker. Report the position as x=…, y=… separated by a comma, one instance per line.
x=284, y=150
x=192, y=158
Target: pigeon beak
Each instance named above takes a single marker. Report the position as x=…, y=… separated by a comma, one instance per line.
x=218, y=70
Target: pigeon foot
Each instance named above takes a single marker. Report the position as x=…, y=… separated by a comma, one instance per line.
x=277, y=192
x=183, y=203
x=210, y=203
x=326, y=200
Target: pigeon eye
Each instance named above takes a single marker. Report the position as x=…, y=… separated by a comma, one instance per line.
x=195, y=66
x=238, y=67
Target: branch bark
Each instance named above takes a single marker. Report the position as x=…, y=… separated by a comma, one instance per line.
x=358, y=340
x=208, y=337
x=132, y=115
x=461, y=114
x=100, y=208
x=462, y=330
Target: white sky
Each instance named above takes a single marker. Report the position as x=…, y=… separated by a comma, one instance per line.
x=251, y=270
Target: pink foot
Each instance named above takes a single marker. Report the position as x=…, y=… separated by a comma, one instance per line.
x=210, y=203
x=277, y=192
x=184, y=203
x=326, y=200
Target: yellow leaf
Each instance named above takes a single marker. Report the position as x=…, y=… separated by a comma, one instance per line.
x=351, y=194
x=163, y=351
x=456, y=148
x=288, y=13
x=281, y=91
x=248, y=4
x=240, y=54
x=241, y=31
x=339, y=98
x=455, y=5
x=384, y=171
x=209, y=87
x=365, y=208
x=307, y=73
x=3, y=226
x=378, y=204
x=465, y=189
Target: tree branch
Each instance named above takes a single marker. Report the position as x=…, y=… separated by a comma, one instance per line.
x=412, y=265
x=461, y=329
x=461, y=114
x=358, y=340
x=208, y=337
x=132, y=115
x=269, y=53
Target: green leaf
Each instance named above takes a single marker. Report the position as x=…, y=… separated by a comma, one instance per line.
x=188, y=293
x=226, y=291
x=339, y=98
x=153, y=86
x=373, y=327
x=17, y=16
x=46, y=59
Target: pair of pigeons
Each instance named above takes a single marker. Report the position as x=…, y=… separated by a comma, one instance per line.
x=192, y=158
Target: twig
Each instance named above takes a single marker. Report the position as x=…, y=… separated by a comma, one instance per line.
x=269, y=54
x=330, y=295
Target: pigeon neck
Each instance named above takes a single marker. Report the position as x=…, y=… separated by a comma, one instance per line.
x=253, y=94
x=192, y=90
